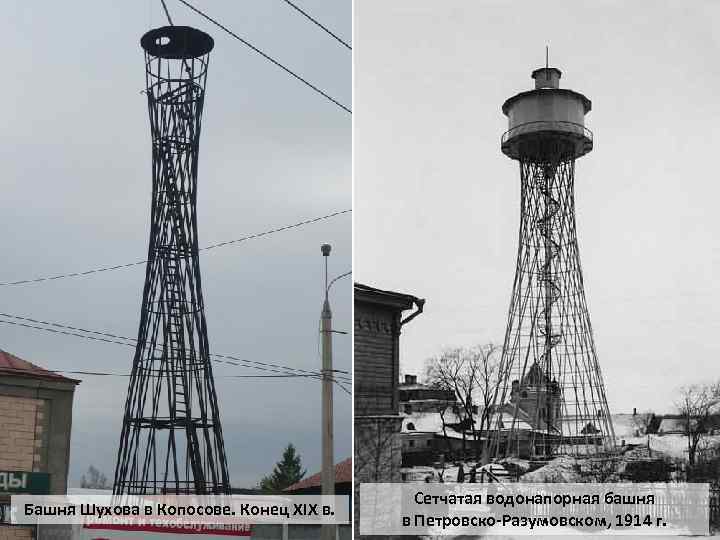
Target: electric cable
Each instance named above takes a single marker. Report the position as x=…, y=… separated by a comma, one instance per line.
x=206, y=248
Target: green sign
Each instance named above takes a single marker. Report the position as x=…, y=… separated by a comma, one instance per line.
x=34, y=483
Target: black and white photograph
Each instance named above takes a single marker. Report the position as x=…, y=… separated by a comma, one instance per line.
x=536, y=247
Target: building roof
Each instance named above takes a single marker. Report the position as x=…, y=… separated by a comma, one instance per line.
x=414, y=386
x=675, y=425
x=400, y=301
x=426, y=422
x=12, y=365
x=343, y=474
x=509, y=417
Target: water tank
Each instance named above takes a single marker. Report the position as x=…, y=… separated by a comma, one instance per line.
x=545, y=115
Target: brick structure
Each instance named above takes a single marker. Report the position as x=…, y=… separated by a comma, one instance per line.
x=24, y=422
x=378, y=322
x=35, y=422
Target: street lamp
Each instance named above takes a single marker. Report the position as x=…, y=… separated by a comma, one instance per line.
x=327, y=474
x=328, y=461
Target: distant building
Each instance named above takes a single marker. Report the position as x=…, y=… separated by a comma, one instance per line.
x=312, y=485
x=425, y=410
x=632, y=425
x=674, y=425
x=677, y=424
x=429, y=436
x=538, y=398
x=416, y=397
x=35, y=424
x=378, y=323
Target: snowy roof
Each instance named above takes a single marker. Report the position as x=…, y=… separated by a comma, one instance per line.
x=507, y=421
x=427, y=422
x=510, y=416
x=414, y=386
x=452, y=434
x=674, y=425
x=626, y=425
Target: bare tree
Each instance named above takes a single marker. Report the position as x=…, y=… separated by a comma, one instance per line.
x=471, y=374
x=441, y=409
x=488, y=380
x=644, y=422
x=377, y=439
x=453, y=371
x=697, y=403
x=94, y=479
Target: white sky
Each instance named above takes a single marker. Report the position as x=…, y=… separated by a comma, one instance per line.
x=437, y=204
x=76, y=180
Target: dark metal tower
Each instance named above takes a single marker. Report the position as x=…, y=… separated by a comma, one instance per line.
x=171, y=439
x=552, y=397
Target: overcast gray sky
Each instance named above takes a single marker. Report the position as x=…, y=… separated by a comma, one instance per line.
x=76, y=184
x=437, y=204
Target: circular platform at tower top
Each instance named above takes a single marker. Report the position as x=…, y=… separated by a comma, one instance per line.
x=545, y=116
x=177, y=42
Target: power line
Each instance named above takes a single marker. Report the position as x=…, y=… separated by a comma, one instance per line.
x=344, y=388
x=105, y=374
x=302, y=372
x=133, y=342
x=266, y=56
x=315, y=21
x=285, y=373
x=279, y=229
x=167, y=13
x=14, y=323
x=138, y=263
x=108, y=374
x=108, y=337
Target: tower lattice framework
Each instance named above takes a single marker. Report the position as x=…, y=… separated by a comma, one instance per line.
x=172, y=440
x=551, y=397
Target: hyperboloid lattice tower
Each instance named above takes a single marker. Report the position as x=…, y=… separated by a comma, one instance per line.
x=551, y=398
x=171, y=439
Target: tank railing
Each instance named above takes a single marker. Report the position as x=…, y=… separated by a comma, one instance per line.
x=547, y=125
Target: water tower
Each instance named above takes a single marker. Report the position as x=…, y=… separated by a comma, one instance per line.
x=551, y=398
x=171, y=439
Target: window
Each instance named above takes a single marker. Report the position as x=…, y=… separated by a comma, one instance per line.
x=524, y=394
x=429, y=442
x=411, y=443
x=410, y=426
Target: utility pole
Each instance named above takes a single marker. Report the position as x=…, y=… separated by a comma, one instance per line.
x=328, y=461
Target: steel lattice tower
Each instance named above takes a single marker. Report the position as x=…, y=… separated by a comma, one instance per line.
x=171, y=439
x=551, y=398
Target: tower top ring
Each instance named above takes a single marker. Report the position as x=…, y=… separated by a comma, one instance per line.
x=177, y=42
